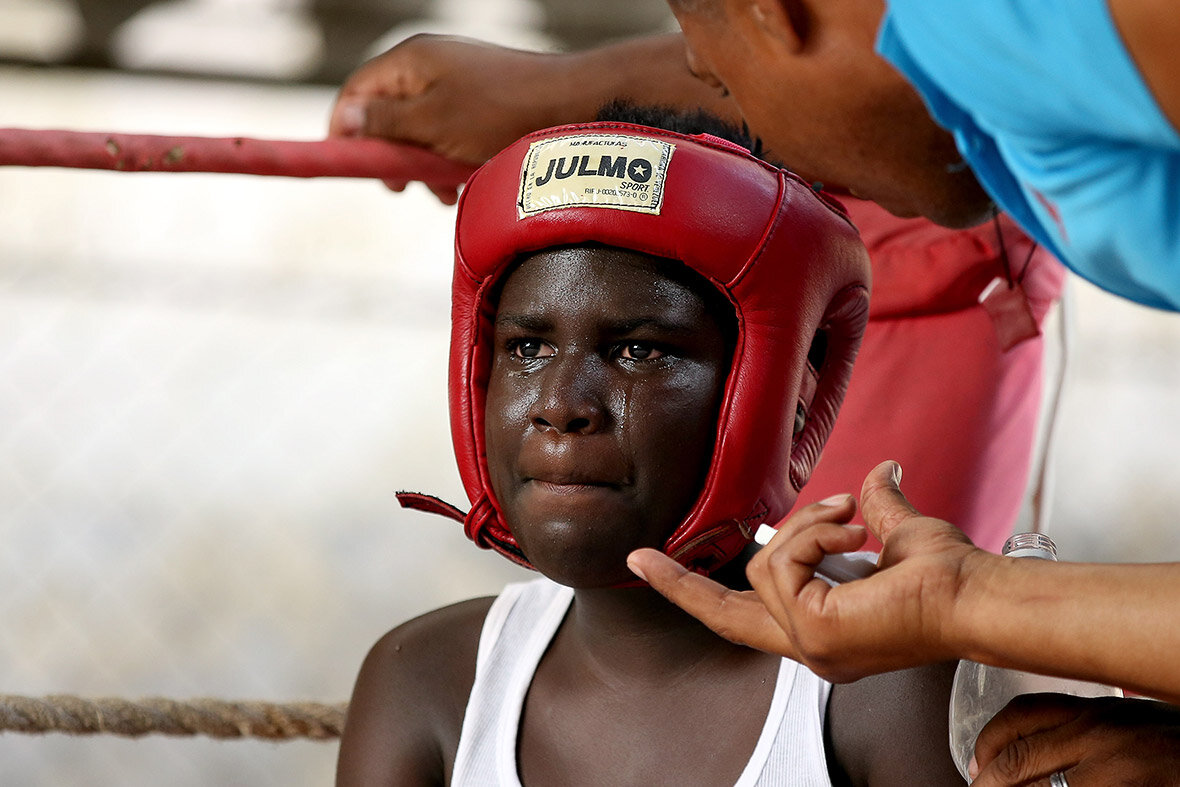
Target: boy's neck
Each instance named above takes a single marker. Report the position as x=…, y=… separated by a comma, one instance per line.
x=627, y=665
x=635, y=633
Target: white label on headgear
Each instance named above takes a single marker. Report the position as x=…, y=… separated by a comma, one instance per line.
x=604, y=170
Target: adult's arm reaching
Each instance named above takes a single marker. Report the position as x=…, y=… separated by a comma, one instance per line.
x=467, y=99
x=936, y=597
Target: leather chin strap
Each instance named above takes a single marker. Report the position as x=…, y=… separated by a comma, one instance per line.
x=473, y=522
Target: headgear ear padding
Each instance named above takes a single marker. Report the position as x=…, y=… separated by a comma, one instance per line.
x=789, y=261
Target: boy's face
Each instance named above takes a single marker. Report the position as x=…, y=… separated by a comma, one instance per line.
x=601, y=409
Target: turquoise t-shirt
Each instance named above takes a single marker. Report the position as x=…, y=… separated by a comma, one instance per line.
x=1051, y=113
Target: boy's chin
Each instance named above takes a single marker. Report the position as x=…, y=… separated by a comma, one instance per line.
x=582, y=549
x=586, y=572
x=581, y=565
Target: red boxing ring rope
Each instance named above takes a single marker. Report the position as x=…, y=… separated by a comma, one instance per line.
x=337, y=157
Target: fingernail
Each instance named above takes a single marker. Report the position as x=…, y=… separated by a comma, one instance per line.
x=896, y=473
x=972, y=768
x=352, y=118
x=763, y=534
x=836, y=500
x=635, y=569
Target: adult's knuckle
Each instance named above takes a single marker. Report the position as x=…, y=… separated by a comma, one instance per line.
x=779, y=560
x=818, y=649
x=892, y=518
x=1014, y=760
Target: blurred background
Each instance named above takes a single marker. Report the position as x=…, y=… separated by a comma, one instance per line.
x=211, y=386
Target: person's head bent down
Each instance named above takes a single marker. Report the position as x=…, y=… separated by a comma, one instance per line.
x=806, y=78
x=651, y=336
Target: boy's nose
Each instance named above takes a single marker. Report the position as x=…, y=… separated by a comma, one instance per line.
x=568, y=401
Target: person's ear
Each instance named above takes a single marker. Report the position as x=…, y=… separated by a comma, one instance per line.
x=788, y=21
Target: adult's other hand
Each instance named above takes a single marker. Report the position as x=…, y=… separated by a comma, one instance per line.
x=461, y=98
x=1093, y=742
x=467, y=99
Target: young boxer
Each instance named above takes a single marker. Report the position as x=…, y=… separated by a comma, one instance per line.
x=652, y=334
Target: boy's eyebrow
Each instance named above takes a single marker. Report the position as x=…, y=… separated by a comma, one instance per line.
x=653, y=321
x=540, y=323
x=528, y=322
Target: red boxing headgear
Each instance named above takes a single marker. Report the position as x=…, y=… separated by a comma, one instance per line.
x=788, y=260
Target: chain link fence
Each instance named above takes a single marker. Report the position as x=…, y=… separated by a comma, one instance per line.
x=211, y=386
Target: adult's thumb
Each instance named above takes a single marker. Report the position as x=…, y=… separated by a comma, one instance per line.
x=882, y=504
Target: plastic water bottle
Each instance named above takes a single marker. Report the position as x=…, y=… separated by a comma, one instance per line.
x=980, y=691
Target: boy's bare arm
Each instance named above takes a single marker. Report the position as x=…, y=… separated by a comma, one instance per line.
x=891, y=729
x=407, y=707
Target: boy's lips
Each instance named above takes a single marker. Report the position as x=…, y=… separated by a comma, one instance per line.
x=567, y=494
x=570, y=487
x=574, y=486
x=556, y=478
x=556, y=472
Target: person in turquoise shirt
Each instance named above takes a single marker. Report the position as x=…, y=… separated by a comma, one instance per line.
x=1048, y=107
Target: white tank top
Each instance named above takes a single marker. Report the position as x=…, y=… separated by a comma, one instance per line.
x=518, y=629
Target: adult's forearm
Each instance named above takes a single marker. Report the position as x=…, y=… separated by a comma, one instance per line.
x=467, y=99
x=1108, y=623
x=647, y=70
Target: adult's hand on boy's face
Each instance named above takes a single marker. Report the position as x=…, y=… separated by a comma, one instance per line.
x=745, y=617
x=891, y=620
x=1093, y=741
x=461, y=98
x=738, y=616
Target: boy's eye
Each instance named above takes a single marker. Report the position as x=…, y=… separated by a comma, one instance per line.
x=638, y=351
x=530, y=348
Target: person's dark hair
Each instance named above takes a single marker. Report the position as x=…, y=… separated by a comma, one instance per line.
x=682, y=121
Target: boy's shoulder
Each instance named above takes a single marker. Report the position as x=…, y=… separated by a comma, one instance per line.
x=452, y=625
x=433, y=650
x=407, y=707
